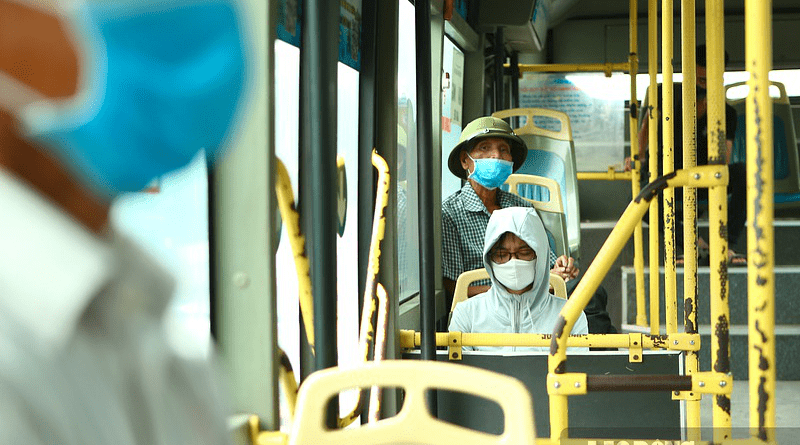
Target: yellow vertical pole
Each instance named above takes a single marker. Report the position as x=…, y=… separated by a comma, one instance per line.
x=718, y=212
x=652, y=138
x=689, y=109
x=760, y=233
x=668, y=152
x=636, y=165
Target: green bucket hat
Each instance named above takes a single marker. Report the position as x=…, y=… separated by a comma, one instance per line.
x=482, y=128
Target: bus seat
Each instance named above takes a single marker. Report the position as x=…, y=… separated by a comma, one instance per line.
x=635, y=414
x=471, y=276
x=780, y=152
x=545, y=195
x=786, y=162
x=559, y=143
x=414, y=424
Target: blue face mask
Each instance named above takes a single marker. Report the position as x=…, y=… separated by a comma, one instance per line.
x=160, y=81
x=491, y=172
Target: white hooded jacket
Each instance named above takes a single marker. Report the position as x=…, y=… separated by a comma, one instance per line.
x=500, y=311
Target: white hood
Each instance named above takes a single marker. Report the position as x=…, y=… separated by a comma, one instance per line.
x=525, y=223
x=498, y=310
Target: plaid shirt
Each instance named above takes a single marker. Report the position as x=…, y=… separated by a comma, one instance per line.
x=464, y=221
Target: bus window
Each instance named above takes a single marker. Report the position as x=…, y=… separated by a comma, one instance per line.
x=452, y=101
x=406, y=176
x=287, y=91
x=171, y=220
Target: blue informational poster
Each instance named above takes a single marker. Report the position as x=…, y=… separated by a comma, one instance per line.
x=289, y=28
x=596, y=108
x=289, y=14
x=350, y=33
x=461, y=7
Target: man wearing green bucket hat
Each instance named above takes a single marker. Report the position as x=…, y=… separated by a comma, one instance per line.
x=487, y=153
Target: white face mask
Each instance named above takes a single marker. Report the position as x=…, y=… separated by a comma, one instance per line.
x=516, y=274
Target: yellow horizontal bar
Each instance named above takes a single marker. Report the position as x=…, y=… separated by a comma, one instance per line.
x=680, y=341
x=610, y=175
x=604, y=440
x=606, y=68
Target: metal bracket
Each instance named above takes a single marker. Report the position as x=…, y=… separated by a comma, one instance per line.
x=684, y=342
x=567, y=384
x=686, y=395
x=454, y=345
x=635, y=347
x=712, y=383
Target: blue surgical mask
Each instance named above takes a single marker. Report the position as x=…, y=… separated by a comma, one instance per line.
x=160, y=81
x=491, y=172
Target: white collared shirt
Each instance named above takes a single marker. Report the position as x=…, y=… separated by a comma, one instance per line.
x=50, y=266
x=83, y=354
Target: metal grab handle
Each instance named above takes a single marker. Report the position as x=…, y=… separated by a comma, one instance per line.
x=286, y=206
x=367, y=336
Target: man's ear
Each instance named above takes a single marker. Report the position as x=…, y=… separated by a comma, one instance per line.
x=464, y=159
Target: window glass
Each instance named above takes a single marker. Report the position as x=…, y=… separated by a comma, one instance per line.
x=406, y=177
x=595, y=106
x=287, y=91
x=452, y=100
x=170, y=221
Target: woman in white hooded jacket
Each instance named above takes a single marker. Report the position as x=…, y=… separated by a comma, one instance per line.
x=519, y=300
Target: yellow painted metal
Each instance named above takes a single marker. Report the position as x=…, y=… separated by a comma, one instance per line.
x=559, y=416
x=635, y=348
x=760, y=213
x=381, y=337
x=568, y=384
x=636, y=441
x=718, y=211
x=288, y=382
x=258, y=437
x=712, y=383
x=454, y=341
x=454, y=345
x=668, y=153
x=366, y=336
x=610, y=175
x=636, y=163
x=606, y=68
x=652, y=67
x=290, y=217
x=689, y=109
x=705, y=176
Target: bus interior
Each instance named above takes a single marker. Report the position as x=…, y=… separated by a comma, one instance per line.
x=310, y=257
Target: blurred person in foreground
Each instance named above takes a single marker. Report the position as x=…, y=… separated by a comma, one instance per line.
x=515, y=252
x=98, y=99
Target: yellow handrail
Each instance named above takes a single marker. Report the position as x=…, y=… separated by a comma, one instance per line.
x=610, y=175
x=689, y=117
x=366, y=337
x=718, y=211
x=606, y=68
x=760, y=210
x=675, y=342
x=290, y=217
x=636, y=163
x=652, y=139
x=668, y=153
x=713, y=176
